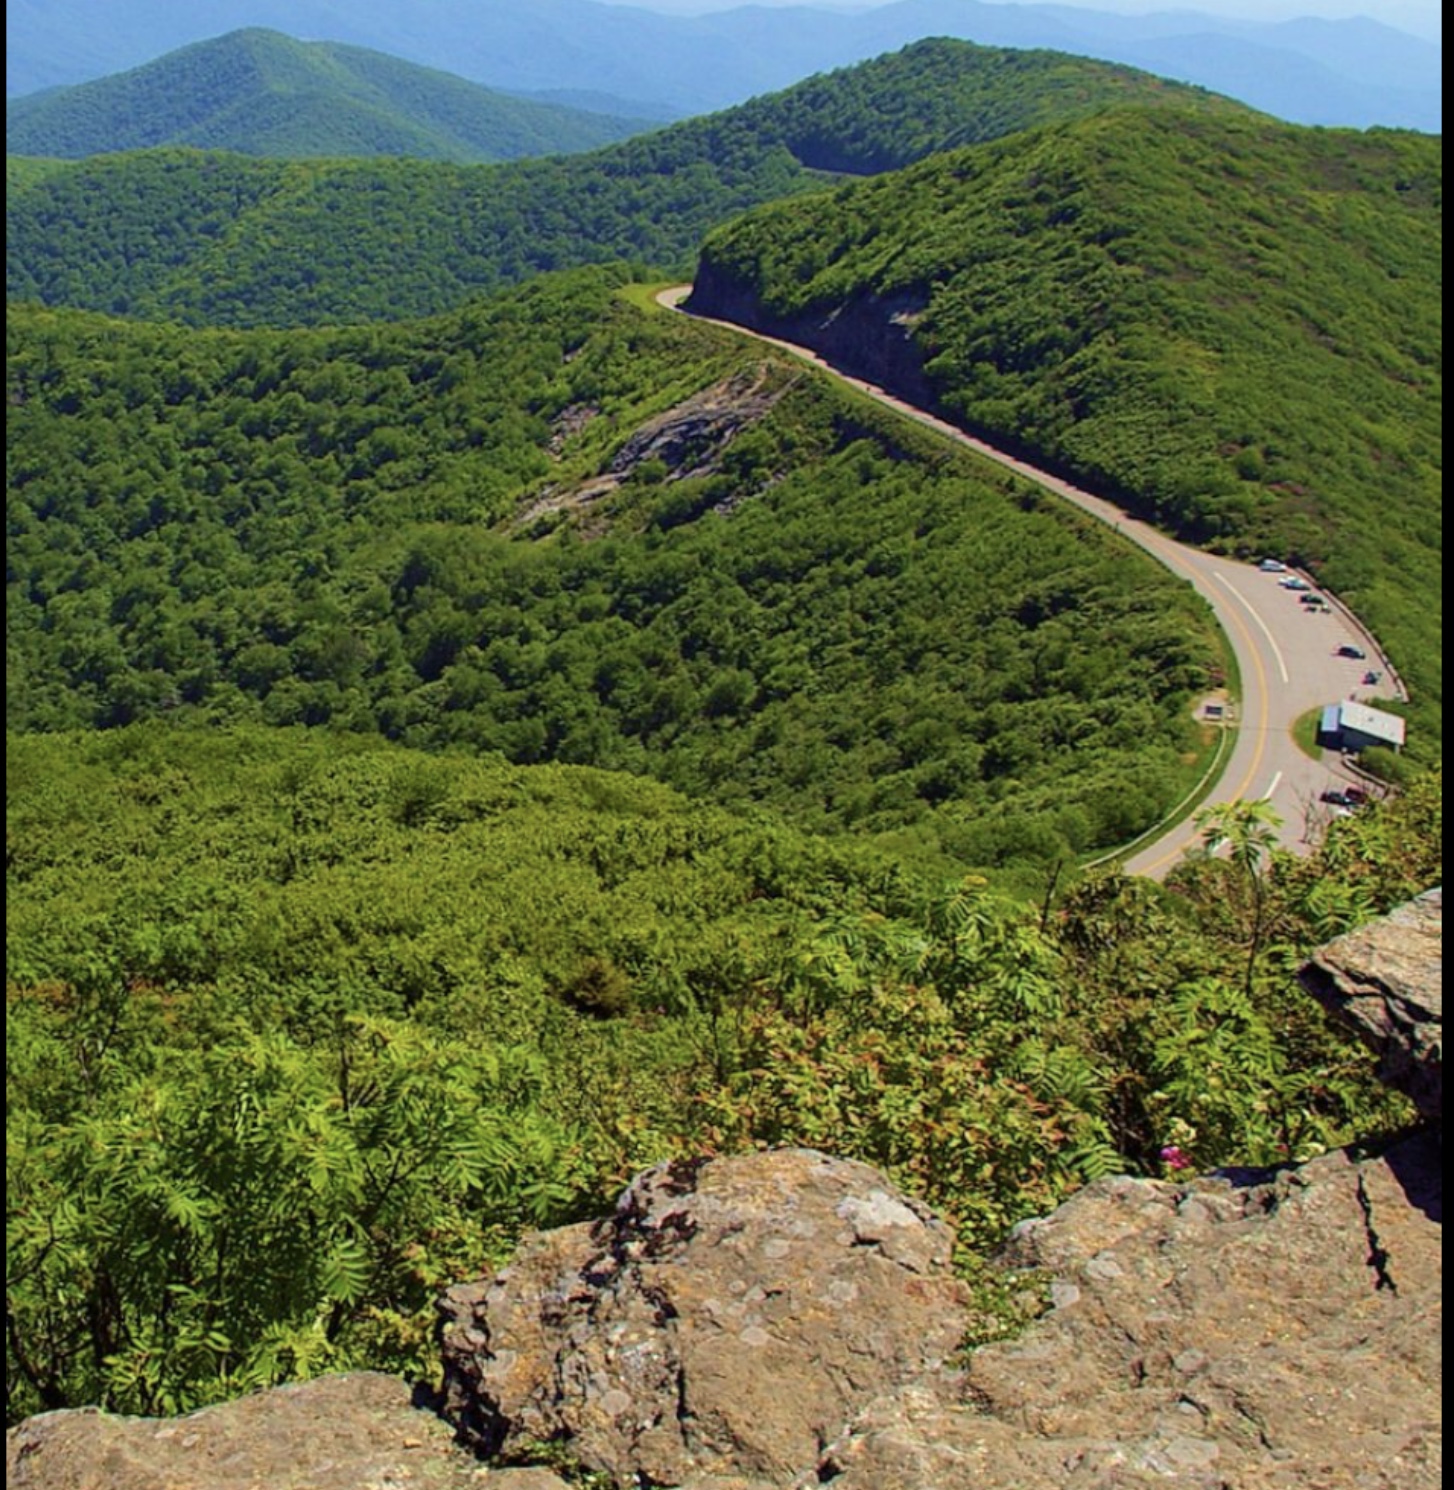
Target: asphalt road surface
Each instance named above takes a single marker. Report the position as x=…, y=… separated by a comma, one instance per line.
x=1287, y=652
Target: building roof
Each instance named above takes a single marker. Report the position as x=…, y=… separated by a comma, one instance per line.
x=1372, y=722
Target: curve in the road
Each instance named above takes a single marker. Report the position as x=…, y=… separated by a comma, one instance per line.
x=1273, y=639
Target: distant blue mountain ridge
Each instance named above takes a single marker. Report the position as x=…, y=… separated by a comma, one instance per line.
x=1355, y=72
x=260, y=92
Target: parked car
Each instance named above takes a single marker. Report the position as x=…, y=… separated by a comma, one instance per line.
x=1272, y=566
x=1349, y=650
x=1309, y=598
x=1292, y=582
x=1336, y=796
x=1372, y=677
x=1354, y=796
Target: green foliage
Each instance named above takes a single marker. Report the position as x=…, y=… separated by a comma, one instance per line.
x=247, y=1212
x=212, y=239
x=301, y=1047
x=1230, y=325
x=291, y=1041
x=305, y=1024
x=831, y=617
x=262, y=93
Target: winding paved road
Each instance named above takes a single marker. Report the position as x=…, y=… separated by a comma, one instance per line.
x=1286, y=651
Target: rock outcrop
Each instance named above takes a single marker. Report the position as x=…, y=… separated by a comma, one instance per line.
x=730, y=1317
x=1386, y=982
x=785, y=1320
x=1262, y=1332
x=689, y=438
x=871, y=337
x=354, y=1432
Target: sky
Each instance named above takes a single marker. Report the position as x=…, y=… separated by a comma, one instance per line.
x=1423, y=17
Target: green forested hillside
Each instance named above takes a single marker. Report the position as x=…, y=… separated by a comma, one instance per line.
x=212, y=239
x=25, y=170
x=262, y=93
x=454, y=763
x=301, y=1029
x=1233, y=325
x=810, y=609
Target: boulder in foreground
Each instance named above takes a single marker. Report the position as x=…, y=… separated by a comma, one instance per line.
x=730, y=1317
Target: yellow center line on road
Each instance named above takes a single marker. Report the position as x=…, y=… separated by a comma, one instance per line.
x=1259, y=746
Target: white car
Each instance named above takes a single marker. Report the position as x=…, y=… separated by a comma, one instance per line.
x=1272, y=566
x=1292, y=582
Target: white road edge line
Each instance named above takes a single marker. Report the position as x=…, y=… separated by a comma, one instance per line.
x=1276, y=651
x=1276, y=782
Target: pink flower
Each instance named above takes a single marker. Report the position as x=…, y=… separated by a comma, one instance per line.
x=1174, y=1158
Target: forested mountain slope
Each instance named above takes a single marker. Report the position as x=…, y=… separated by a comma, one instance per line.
x=1234, y=326
x=1355, y=70
x=760, y=590
x=222, y=240
x=262, y=93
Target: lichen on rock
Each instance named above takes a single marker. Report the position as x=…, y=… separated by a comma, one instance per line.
x=730, y=1316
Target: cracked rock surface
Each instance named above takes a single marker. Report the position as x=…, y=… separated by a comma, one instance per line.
x=728, y=1319
x=1386, y=982
x=1251, y=1332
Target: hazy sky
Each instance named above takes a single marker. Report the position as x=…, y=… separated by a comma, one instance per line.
x=1421, y=16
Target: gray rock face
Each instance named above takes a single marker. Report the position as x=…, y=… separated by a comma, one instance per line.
x=728, y=1319
x=1386, y=982
x=871, y=337
x=690, y=438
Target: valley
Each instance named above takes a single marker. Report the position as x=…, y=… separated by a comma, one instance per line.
x=475, y=734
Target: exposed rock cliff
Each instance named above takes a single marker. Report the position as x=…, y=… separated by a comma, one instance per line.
x=1386, y=983
x=871, y=337
x=786, y=1320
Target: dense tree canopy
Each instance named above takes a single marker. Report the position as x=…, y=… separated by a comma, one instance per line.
x=456, y=763
x=859, y=626
x=1233, y=325
x=262, y=93
x=213, y=239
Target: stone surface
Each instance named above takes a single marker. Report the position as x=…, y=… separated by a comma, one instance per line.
x=1386, y=982
x=871, y=336
x=728, y=1319
x=1258, y=1332
x=689, y=439
x=352, y=1432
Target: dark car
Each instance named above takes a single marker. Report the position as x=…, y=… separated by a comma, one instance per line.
x=1372, y=677
x=1349, y=650
x=1338, y=798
